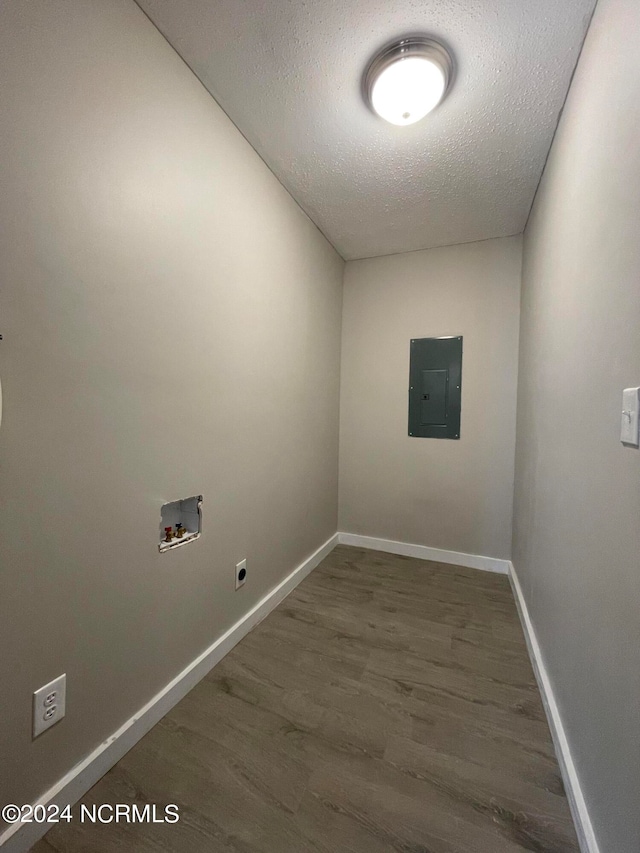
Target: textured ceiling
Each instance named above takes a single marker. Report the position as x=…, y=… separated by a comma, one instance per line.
x=288, y=73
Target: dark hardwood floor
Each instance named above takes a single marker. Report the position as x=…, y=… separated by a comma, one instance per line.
x=387, y=705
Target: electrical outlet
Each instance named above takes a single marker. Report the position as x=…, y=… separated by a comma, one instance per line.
x=49, y=704
x=241, y=573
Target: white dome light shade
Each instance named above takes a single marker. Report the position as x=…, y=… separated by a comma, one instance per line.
x=407, y=80
x=407, y=90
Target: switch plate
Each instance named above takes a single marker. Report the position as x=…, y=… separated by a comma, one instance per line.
x=49, y=704
x=629, y=425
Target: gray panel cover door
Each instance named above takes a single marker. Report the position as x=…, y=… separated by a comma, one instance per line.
x=435, y=382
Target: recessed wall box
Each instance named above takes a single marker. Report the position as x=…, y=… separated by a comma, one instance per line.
x=180, y=522
x=435, y=382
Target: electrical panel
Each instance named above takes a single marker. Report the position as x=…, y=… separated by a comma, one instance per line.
x=435, y=387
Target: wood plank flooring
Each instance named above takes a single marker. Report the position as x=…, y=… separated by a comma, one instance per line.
x=388, y=704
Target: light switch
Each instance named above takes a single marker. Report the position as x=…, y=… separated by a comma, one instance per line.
x=629, y=430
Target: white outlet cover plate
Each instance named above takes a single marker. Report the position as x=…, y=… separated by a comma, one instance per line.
x=630, y=406
x=49, y=704
x=239, y=566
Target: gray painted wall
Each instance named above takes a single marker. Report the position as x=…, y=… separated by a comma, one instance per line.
x=171, y=326
x=449, y=494
x=577, y=504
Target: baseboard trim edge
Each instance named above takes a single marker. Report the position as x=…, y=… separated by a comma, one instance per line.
x=18, y=838
x=423, y=552
x=577, y=804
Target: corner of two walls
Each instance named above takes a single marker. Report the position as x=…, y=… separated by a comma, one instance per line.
x=172, y=326
x=444, y=494
x=577, y=497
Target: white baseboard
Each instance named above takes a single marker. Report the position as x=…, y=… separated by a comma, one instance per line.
x=19, y=838
x=577, y=804
x=73, y=785
x=422, y=552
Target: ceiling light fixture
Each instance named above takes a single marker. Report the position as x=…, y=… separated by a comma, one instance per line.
x=407, y=79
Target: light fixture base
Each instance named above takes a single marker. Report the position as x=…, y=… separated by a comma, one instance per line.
x=419, y=47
